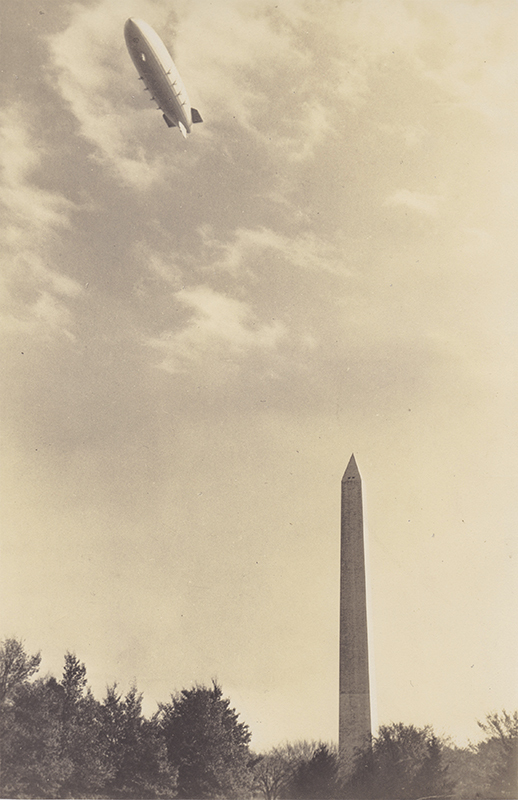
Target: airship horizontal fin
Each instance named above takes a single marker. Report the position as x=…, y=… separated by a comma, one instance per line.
x=196, y=117
x=168, y=121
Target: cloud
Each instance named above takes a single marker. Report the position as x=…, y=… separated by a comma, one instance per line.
x=257, y=304
x=161, y=268
x=284, y=74
x=312, y=130
x=33, y=293
x=428, y=204
x=305, y=251
x=412, y=135
x=19, y=157
x=221, y=329
x=257, y=68
x=235, y=61
x=477, y=60
x=269, y=268
x=93, y=74
x=234, y=44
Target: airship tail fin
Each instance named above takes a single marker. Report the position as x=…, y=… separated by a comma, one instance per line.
x=196, y=116
x=183, y=129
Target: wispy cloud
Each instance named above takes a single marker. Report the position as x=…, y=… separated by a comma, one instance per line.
x=279, y=74
x=33, y=293
x=221, y=329
x=412, y=135
x=304, y=251
x=19, y=157
x=266, y=82
x=253, y=43
x=249, y=309
x=422, y=203
x=477, y=60
x=86, y=60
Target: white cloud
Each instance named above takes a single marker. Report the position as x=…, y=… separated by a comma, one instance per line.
x=279, y=73
x=32, y=292
x=477, y=60
x=412, y=135
x=94, y=75
x=303, y=251
x=255, y=68
x=221, y=329
x=160, y=267
x=25, y=202
x=312, y=130
x=420, y=202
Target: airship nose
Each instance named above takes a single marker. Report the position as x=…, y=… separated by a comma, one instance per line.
x=132, y=27
x=131, y=30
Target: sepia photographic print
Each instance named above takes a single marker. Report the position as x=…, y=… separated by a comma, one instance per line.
x=259, y=399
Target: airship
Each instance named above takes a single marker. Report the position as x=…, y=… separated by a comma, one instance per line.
x=159, y=75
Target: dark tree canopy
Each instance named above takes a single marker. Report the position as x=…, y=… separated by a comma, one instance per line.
x=207, y=744
x=299, y=769
x=135, y=749
x=57, y=741
x=497, y=756
x=488, y=770
x=16, y=666
x=404, y=763
x=316, y=779
x=272, y=772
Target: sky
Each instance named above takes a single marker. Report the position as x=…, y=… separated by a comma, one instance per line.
x=196, y=335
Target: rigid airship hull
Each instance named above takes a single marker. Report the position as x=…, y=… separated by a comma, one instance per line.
x=160, y=77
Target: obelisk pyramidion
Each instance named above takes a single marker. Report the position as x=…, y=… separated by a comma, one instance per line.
x=354, y=712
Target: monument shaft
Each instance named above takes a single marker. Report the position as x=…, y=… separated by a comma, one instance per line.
x=354, y=712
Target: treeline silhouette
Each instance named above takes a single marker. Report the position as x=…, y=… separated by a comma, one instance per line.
x=58, y=741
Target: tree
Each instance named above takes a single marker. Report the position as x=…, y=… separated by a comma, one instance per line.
x=316, y=779
x=207, y=744
x=50, y=739
x=282, y=771
x=30, y=740
x=272, y=772
x=488, y=770
x=73, y=680
x=501, y=750
x=135, y=749
x=56, y=741
x=403, y=763
x=20, y=715
x=16, y=666
x=81, y=725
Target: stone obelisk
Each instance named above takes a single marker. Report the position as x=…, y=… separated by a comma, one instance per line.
x=354, y=712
